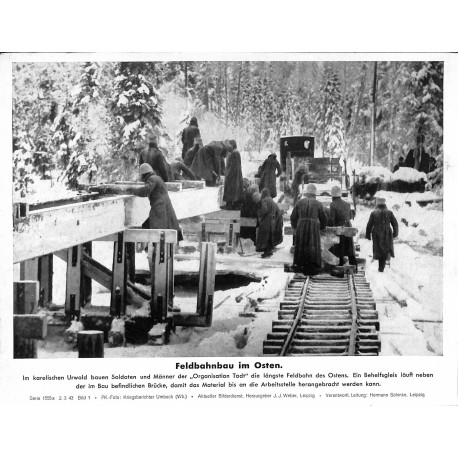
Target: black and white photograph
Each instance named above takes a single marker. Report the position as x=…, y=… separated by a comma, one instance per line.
x=227, y=208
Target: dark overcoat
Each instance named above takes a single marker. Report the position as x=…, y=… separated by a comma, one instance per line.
x=340, y=215
x=383, y=228
x=268, y=175
x=208, y=163
x=156, y=160
x=278, y=232
x=190, y=155
x=189, y=134
x=161, y=215
x=233, y=183
x=308, y=217
x=181, y=172
x=266, y=228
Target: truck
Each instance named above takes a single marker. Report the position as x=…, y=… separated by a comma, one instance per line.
x=323, y=172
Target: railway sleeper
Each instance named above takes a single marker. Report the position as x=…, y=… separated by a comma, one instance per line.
x=340, y=350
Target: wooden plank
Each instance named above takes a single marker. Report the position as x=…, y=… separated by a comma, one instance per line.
x=53, y=229
x=159, y=258
x=73, y=296
x=135, y=235
x=119, y=278
x=173, y=186
x=86, y=280
x=223, y=214
x=93, y=271
x=192, y=184
x=26, y=295
x=30, y=326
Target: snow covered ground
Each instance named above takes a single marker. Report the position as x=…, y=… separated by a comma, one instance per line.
x=408, y=294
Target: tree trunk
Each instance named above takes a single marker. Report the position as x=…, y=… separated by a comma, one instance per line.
x=238, y=94
x=361, y=94
x=374, y=109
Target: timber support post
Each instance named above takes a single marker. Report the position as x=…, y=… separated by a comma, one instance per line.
x=74, y=296
x=160, y=257
x=119, y=278
x=206, y=282
x=28, y=326
x=87, y=281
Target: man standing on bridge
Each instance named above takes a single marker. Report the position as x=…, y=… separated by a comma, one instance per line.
x=379, y=227
x=308, y=218
x=161, y=215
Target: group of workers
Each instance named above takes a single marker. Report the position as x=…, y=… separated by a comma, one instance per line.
x=308, y=217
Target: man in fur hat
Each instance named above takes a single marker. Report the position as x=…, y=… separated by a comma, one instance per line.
x=383, y=228
x=308, y=218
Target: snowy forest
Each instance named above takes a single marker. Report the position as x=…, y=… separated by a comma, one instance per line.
x=77, y=122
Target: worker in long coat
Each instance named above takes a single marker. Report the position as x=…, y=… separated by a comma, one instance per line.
x=249, y=209
x=269, y=171
x=300, y=177
x=208, y=162
x=265, y=241
x=154, y=157
x=161, y=215
x=308, y=218
x=188, y=135
x=180, y=171
x=340, y=215
x=383, y=228
x=233, y=183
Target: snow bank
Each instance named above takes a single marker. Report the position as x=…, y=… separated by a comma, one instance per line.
x=409, y=175
x=45, y=190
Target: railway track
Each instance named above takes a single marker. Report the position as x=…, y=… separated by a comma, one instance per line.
x=325, y=316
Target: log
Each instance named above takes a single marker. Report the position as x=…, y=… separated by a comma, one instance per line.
x=30, y=326
x=90, y=344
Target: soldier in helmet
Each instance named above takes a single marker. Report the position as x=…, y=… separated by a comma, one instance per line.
x=161, y=215
x=308, y=218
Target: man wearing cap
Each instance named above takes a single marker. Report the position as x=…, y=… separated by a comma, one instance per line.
x=268, y=176
x=161, y=215
x=383, y=228
x=308, y=218
x=340, y=215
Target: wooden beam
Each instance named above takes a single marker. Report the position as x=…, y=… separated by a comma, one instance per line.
x=53, y=229
x=248, y=222
x=74, y=296
x=206, y=281
x=119, y=278
x=135, y=235
x=30, y=326
x=159, y=258
x=191, y=184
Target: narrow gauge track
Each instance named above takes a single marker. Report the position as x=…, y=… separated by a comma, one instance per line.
x=325, y=316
